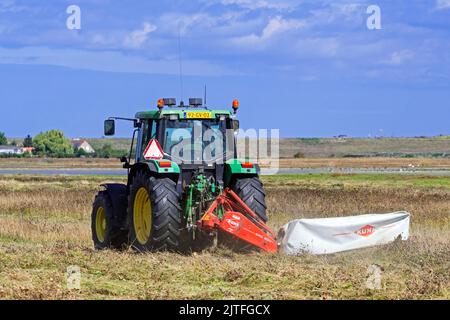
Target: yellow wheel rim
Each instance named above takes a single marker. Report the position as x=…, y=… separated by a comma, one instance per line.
x=100, y=224
x=142, y=216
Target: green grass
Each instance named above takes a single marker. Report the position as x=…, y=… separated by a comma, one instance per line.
x=322, y=179
x=359, y=180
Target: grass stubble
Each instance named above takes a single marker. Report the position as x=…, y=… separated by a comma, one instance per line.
x=45, y=227
x=313, y=163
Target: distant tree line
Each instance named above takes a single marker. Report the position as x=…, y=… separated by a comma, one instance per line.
x=54, y=144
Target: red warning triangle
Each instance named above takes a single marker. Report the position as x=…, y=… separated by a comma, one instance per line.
x=153, y=151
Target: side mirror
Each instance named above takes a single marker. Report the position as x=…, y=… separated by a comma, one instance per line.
x=125, y=162
x=235, y=125
x=110, y=127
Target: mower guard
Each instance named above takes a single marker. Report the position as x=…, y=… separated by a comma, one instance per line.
x=239, y=221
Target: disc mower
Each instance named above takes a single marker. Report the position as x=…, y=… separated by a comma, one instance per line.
x=186, y=189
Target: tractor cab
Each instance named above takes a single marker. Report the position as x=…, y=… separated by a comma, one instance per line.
x=188, y=135
x=184, y=139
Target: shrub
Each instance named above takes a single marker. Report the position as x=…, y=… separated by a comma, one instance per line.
x=53, y=143
x=310, y=141
x=3, y=140
x=107, y=151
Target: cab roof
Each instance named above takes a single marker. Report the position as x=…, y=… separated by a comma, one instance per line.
x=183, y=113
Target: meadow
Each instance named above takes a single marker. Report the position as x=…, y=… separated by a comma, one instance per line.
x=45, y=227
x=373, y=162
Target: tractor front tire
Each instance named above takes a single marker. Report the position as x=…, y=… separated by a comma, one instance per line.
x=251, y=191
x=154, y=214
x=105, y=234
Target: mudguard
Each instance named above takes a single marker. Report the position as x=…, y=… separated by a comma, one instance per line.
x=235, y=168
x=154, y=167
x=118, y=194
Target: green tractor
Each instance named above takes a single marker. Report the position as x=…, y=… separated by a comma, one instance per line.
x=174, y=178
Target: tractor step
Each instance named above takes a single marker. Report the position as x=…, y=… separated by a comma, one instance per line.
x=239, y=221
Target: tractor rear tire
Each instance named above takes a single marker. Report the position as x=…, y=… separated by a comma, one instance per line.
x=154, y=214
x=105, y=233
x=251, y=191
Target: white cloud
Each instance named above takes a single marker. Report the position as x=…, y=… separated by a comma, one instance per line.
x=399, y=57
x=259, y=4
x=442, y=4
x=206, y=24
x=138, y=37
x=337, y=13
x=174, y=22
x=275, y=26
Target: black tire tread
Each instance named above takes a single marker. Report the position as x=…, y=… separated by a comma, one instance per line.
x=115, y=238
x=165, y=234
x=251, y=191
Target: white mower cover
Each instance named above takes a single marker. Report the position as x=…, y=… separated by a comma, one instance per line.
x=330, y=235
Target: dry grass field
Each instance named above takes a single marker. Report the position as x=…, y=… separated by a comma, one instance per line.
x=374, y=162
x=45, y=227
x=55, y=163
x=341, y=147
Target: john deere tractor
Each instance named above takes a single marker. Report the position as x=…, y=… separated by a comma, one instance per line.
x=184, y=191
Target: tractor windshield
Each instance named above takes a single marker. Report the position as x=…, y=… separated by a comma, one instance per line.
x=191, y=141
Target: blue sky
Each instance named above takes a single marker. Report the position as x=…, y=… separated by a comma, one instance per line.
x=306, y=67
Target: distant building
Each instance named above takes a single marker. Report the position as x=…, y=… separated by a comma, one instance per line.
x=28, y=150
x=80, y=144
x=10, y=150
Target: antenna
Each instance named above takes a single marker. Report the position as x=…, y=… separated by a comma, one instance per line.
x=181, y=64
x=205, y=97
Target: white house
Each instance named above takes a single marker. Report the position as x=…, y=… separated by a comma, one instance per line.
x=81, y=144
x=10, y=150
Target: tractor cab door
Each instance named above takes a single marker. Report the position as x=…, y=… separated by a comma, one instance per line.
x=148, y=131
